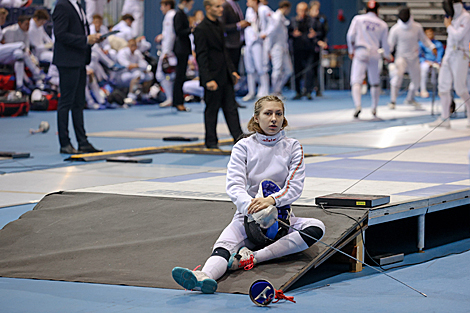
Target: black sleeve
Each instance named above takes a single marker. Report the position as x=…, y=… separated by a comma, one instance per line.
x=181, y=25
x=61, y=20
x=202, y=56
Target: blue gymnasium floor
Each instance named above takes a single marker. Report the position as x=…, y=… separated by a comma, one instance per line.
x=323, y=126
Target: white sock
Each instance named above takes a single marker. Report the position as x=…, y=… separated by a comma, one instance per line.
x=251, y=82
x=375, y=95
x=356, y=95
x=263, y=89
x=289, y=244
x=446, y=100
x=394, y=93
x=19, y=73
x=168, y=87
x=215, y=267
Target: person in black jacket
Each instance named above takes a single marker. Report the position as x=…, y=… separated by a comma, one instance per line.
x=216, y=73
x=319, y=29
x=182, y=51
x=299, y=30
x=234, y=25
x=72, y=52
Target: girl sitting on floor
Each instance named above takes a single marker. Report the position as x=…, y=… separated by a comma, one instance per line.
x=265, y=175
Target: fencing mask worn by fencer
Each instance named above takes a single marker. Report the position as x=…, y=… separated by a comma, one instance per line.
x=404, y=14
x=448, y=6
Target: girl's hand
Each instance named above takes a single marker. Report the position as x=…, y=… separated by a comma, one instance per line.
x=258, y=204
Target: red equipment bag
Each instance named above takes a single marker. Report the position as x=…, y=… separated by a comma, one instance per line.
x=7, y=82
x=14, y=107
x=47, y=101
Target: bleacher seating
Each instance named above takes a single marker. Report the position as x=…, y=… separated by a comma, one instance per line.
x=427, y=12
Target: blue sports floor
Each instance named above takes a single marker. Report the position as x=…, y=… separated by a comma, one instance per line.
x=350, y=149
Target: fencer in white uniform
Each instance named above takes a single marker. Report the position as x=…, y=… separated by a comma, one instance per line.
x=167, y=38
x=136, y=9
x=40, y=41
x=266, y=154
x=277, y=35
x=15, y=50
x=264, y=15
x=94, y=7
x=253, y=54
x=126, y=32
x=101, y=53
x=137, y=69
x=454, y=67
x=404, y=38
x=366, y=34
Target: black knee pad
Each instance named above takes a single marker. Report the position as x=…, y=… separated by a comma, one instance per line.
x=222, y=252
x=314, y=231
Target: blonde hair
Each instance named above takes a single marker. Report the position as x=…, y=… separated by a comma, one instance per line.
x=253, y=126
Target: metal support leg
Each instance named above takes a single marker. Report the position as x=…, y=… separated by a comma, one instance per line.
x=421, y=221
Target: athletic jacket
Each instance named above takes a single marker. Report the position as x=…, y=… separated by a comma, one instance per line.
x=458, y=32
x=261, y=157
x=368, y=31
x=404, y=38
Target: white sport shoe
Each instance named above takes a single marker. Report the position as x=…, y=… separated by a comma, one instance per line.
x=374, y=112
x=243, y=259
x=391, y=105
x=248, y=97
x=424, y=94
x=194, y=280
x=440, y=123
x=413, y=103
x=357, y=112
x=166, y=103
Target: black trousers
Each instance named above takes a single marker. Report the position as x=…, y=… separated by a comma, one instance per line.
x=180, y=78
x=312, y=75
x=72, y=98
x=303, y=59
x=235, y=54
x=223, y=97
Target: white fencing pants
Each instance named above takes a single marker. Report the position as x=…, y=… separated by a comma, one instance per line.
x=453, y=73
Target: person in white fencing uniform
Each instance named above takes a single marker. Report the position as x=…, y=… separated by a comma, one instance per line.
x=454, y=67
x=277, y=35
x=14, y=54
x=41, y=43
x=264, y=15
x=167, y=39
x=101, y=53
x=137, y=69
x=404, y=38
x=429, y=62
x=366, y=34
x=265, y=175
x=16, y=50
x=95, y=7
x=127, y=33
x=253, y=54
x=136, y=9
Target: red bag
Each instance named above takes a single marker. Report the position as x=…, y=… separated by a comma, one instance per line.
x=47, y=101
x=14, y=107
x=7, y=82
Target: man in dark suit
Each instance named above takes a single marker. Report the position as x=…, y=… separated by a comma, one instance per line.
x=216, y=73
x=302, y=46
x=234, y=25
x=72, y=52
x=182, y=51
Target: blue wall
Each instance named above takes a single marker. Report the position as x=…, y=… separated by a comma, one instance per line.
x=336, y=36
